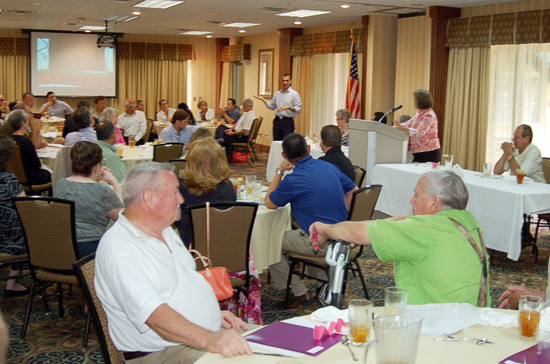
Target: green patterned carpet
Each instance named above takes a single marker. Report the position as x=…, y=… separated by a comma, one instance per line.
x=51, y=339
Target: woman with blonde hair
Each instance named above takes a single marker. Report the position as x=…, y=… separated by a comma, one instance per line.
x=205, y=114
x=204, y=179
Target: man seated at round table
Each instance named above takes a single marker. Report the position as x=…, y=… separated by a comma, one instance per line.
x=439, y=253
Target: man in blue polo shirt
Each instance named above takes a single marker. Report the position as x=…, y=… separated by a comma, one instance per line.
x=316, y=190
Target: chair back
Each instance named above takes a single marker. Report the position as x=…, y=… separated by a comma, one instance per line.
x=49, y=228
x=256, y=124
x=179, y=165
x=359, y=175
x=62, y=165
x=150, y=125
x=230, y=231
x=363, y=203
x=546, y=169
x=164, y=152
x=17, y=166
x=85, y=270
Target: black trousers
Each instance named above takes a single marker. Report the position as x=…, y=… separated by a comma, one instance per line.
x=282, y=127
x=431, y=156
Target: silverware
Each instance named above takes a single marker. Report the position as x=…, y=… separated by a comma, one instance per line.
x=270, y=354
x=470, y=339
x=346, y=342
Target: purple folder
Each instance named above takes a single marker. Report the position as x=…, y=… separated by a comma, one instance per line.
x=292, y=337
x=536, y=354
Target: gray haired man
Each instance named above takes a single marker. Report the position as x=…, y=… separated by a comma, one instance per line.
x=238, y=132
x=439, y=253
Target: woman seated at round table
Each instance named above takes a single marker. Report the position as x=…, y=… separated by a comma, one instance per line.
x=165, y=114
x=422, y=129
x=12, y=239
x=111, y=114
x=205, y=114
x=204, y=179
x=95, y=203
x=18, y=120
x=342, y=118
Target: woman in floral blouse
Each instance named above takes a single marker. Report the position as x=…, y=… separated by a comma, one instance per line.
x=422, y=129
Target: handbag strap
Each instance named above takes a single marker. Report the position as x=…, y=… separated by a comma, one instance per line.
x=208, y=229
x=204, y=260
x=482, y=255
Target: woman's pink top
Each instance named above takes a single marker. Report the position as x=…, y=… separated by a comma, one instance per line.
x=119, y=138
x=423, y=131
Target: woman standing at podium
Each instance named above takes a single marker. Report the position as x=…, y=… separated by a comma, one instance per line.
x=422, y=129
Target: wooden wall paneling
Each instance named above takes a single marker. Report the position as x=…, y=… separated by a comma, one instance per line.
x=220, y=43
x=285, y=45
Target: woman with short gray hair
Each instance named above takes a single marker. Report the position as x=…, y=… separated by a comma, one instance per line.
x=111, y=114
x=342, y=118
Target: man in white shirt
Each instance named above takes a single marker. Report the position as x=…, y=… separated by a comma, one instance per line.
x=133, y=121
x=238, y=132
x=160, y=309
x=521, y=154
x=288, y=105
x=100, y=105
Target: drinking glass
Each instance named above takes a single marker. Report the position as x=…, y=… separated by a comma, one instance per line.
x=529, y=316
x=520, y=174
x=132, y=141
x=449, y=160
x=359, y=321
x=250, y=182
x=487, y=169
x=395, y=300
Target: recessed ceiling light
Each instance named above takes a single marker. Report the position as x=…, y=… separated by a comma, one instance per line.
x=239, y=25
x=345, y=6
x=91, y=27
x=303, y=13
x=136, y=12
x=209, y=36
x=158, y=4
x=196, y=32
x=298, y=22
x=87, y=31
x=242, y=31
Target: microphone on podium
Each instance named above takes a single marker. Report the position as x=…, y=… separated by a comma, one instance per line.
x=390, y=111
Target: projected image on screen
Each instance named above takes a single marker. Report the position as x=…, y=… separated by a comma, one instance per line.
x=71, y=65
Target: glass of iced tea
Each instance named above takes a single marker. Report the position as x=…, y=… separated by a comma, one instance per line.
x=132, y=141
x=520, y=174
x=359, y=321
x=529, y=316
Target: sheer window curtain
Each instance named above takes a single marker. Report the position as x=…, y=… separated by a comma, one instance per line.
x=226, y=91
x=152, y=80
x=302, y=82
x=520, y=90
x=15, y=76
x=465, y=132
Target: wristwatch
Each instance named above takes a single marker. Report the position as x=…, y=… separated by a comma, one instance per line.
x=278, y=172
x=510, y=157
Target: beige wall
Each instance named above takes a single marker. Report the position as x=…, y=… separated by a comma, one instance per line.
x=381, y=62
x=413, y=60
x=511, y=7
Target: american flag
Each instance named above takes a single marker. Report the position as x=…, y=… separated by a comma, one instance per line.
x=353, y=102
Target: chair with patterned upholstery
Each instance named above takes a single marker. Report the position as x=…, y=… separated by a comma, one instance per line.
x=359, y=175
x=164, y=152
x=179, y=165
x=248, y=146
x=19, y=171
x=50, y=234
x=361, y=209
x=230, y=231
x=85, y=271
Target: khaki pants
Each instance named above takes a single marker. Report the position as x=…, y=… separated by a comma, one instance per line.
x=296, y=241
x=180, y=354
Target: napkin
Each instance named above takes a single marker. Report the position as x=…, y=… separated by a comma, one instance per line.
x=495, y=318
x=329, y=314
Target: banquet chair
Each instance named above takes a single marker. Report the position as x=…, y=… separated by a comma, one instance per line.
x=546, y=169
x=50, y=238
x=248, y=146
x=362, y=207
x=9, y=259
x=179, y=165
x=164, y=152
x=230, y=231
x=359, y=175
x=21, y=174
x=85, y=271
x=150, y=126
x=542, y=219
x=62, y=165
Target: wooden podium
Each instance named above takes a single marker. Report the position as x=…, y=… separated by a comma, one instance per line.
x=371, y=142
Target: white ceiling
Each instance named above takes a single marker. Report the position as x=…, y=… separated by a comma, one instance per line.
x=69, y=15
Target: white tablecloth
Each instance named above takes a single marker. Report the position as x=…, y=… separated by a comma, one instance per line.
x=507, y=342
x=275, y=156
x=497, y=204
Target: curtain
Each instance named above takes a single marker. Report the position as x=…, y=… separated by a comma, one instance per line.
x=301, y=82
x=15, y=76
x=226, y=90
x=467, y=102
x=152, y=80
x=520, y=90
